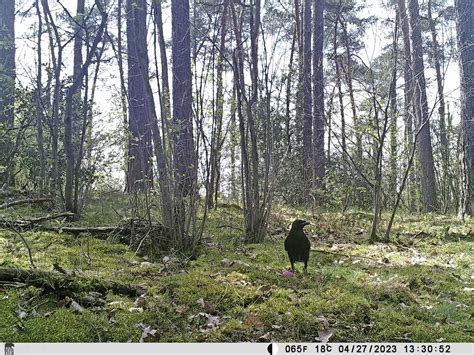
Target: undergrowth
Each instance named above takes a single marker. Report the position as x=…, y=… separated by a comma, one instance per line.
x=417, y=288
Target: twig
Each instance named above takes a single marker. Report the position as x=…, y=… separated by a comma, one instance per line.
x=27, y=246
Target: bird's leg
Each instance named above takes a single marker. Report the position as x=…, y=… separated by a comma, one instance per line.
x=292, y=266
x=305, y=266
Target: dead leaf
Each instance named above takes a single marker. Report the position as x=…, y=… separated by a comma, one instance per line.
x=324, y=335
x=76, y=307
x=146, y=331
x=21, y=314
x=135, y=310
x=213, y=322
x=201, y=302
x=227, y=262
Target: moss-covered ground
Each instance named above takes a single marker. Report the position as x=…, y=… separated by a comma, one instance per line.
x=416, y=288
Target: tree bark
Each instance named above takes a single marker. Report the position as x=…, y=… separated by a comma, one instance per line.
x=57, y=62
x=318, y=94
x=7, y=88
x=465, y=29
x=443, y=140
x=70, y=120
x=425, y=150
x=39, y=106
x=184, y=159
x=393, y=117
x=165, y=97
x=307, y=99
x=139, y=174
x=408, y=93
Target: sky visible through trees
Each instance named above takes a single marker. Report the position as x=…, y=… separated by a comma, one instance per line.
x=108, y=117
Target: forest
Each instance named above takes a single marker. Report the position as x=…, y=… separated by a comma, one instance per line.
x=236, y=171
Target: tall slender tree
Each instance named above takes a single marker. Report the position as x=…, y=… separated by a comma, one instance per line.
x=437, y=56
x=425, y=149
x=72, y=90
x=318, y=93
x=7, y=88
x=465, y=29
x=139, y=174
x=307, y=99
x=184, y=158
x=408, y=90
x=39, y=106
x=71, y=120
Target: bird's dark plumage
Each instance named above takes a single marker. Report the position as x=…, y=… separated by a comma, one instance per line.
x=297, y=244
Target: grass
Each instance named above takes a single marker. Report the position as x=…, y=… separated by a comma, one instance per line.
x=416, y=288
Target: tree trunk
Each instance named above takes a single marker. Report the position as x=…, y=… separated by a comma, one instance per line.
x=443, y=140
x=139, y=174
x=318, y=93
x=70, y=120
x=289, y=95
x=393, y=119
x=216, y=138
x=7, y=89
x=465, y=29
x=39, y=107
x=165, y=104
x=57, y=62
x=299, y=115
x=307, y=99
x=69, y=112
x=425, y=150
x=123, y=88
x=408, y=93
x=184, y=158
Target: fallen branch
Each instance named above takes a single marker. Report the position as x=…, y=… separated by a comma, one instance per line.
x=344, y=255
x=56, y=282
x=30, y=223
x=24, y=201
x=50, y=217
x=105, y=230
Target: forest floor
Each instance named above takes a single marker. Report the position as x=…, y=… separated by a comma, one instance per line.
x=417, y=288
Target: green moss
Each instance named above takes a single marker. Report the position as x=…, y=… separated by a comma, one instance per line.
x=417, y=294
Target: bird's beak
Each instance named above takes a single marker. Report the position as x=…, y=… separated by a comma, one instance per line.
x=306, y=223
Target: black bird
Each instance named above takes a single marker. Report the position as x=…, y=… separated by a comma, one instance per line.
x=297, y=244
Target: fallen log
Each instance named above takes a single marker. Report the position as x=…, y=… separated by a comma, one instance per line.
x=32, y=222
x=24, y=202
x=139, y=235
x=104, y=230
x=55, y=282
